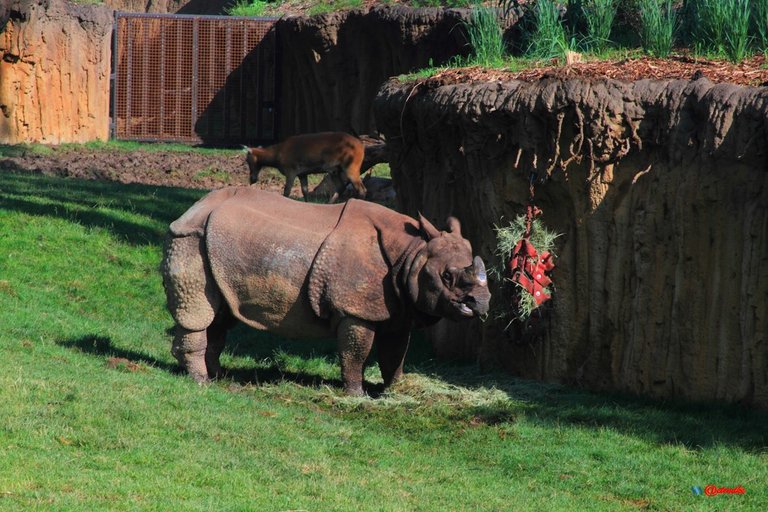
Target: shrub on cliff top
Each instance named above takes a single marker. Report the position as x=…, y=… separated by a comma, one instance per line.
x=599, y=16
x=760, y=23
x=251, y=7
x=485, y=36
x=548, y=37
x=658, y=20
x=721, y=26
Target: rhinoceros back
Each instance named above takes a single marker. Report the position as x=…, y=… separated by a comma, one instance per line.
x=261, y=247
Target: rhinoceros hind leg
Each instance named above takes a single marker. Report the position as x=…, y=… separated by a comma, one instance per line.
x=355, y=339
x=189, y=348
x=391, y=349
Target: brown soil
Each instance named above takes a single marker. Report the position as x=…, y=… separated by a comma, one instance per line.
x=166, y=168
x=750, y=72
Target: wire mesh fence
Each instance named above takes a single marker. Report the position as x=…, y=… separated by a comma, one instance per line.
x=208, y=79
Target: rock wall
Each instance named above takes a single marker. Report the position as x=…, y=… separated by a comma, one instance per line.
x=54, y=72
x=215, y=7
x=333, y=64
x=660, y=191
x=56, y=63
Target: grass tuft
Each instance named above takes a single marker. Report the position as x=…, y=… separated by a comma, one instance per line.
x=485, y=37
x=658, y=21
x=760, y=23
x=722, y=26
x=250, y=8
x=599, y=16
x=548, y=38
x=212, y=172
x=737, y=35
x=333, y=5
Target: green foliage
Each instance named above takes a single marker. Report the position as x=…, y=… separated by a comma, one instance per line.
x=14, y=150
x=424, y=73
x=485, y=37
x=381, y=170
x=760, y=24
x=722, y=26
x=213, y=172
x=737, y=34
x=251, y=8
x=548, y=37
x=334, y=5
x=599, y=16
x=658, y=20
x=95, y=416
x=444, y=3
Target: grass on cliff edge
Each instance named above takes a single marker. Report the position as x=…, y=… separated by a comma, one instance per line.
x=95, y=416
x=16, y=150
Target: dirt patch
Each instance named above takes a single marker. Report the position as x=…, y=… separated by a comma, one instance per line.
x=164, y=168
x=196, y=170
x=123, y=364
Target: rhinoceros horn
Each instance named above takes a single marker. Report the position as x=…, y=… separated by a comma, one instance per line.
x=478, y=268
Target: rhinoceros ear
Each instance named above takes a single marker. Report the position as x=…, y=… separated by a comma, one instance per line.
x=454, y=226
x=427, y=228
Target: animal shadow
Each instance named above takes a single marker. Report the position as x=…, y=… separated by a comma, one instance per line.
x=100, y=346
x=273, y=373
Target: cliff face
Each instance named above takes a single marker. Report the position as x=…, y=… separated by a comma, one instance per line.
x=660, y=190
x=333, y=64
x=170, y=6
x=54, y=64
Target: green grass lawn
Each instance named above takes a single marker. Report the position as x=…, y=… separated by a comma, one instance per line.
x=96, y=417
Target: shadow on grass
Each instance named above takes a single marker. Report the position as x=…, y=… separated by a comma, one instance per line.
x=97, y=204
x=245, y=342
x=693, y=425
x=101, y=346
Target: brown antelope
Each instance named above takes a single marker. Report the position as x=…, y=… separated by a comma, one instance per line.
x=312, y=153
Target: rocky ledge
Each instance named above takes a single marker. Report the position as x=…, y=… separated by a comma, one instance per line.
x=660, y=191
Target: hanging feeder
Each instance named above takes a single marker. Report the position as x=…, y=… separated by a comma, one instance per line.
x=528, y=269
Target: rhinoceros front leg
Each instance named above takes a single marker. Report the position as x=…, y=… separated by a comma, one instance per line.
x=391, y=348
x=355, y=339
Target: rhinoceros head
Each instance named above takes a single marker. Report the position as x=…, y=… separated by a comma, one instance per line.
x=444, y=279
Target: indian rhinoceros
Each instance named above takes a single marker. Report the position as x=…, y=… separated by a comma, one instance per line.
x=357, y=271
